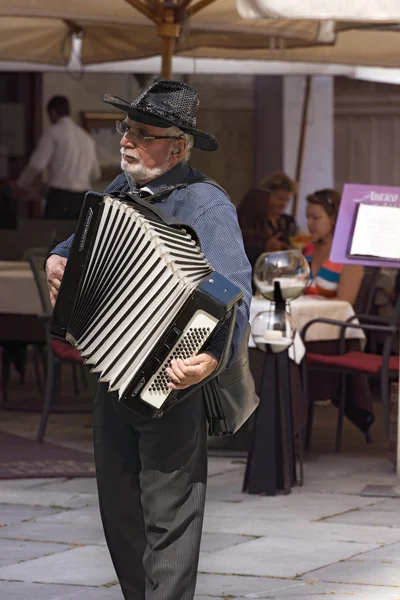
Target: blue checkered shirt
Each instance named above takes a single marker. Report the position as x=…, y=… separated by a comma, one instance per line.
x=212, y=215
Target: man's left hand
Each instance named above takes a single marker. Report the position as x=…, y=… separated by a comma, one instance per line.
x=187, y=372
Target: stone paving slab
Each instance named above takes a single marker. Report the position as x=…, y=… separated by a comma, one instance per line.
x=354, y=471
x=38, y=591
x=389, y=553
x=284, y=589
x=385, y=513
x=339, y=591
x=212, y=542
x=322, y=475
x=82, y=516
x=372, y=594
x=78, y=485
x=14, y=551
x=88, y=565
x=275, y=557
x=11, y=513
x=236, y=585
x=40, y=497
x=51, y=531
x=359, y=571
x=310, y=507
x=323, y=530
x=25, y=484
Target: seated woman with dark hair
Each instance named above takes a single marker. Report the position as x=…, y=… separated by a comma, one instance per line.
x=281, y=226
x=340, y=282
x=253, y=222
x=328, y=279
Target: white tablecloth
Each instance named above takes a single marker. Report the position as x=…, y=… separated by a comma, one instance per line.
x=18, y=291
x=14, y=265
x=303, y=310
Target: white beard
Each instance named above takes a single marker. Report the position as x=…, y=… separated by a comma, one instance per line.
x=140, y=173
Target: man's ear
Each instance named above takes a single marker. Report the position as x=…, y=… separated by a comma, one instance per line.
x=179, y=147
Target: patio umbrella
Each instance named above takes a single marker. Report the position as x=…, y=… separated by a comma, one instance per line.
x=356, y=10
x=363, y=32
x=41, y=30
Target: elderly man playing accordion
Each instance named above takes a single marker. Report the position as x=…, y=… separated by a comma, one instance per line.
x=152, y=473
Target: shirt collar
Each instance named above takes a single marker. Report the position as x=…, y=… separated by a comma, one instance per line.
x=64, y=119
x=175, y=175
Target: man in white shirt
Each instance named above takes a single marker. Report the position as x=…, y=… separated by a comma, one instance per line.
x=68, y=154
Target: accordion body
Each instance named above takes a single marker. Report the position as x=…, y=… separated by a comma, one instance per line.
x=137, y=292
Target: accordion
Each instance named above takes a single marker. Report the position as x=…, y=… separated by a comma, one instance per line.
x=137, y=292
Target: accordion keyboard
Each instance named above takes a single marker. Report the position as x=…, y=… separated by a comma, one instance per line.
x=195, y=334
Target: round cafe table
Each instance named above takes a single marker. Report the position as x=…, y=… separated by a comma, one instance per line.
x=324, y=339
x=304, y=309
x=19, y=323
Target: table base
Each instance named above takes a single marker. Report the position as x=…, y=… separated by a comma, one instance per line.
x=271, y=462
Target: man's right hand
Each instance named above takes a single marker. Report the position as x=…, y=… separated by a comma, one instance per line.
x=55, y=266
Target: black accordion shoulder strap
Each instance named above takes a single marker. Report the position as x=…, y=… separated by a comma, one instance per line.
x=163, y=215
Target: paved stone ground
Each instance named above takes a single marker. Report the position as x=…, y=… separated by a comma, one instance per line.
x=324, y=539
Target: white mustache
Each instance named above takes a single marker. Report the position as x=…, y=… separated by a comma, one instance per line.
x=127, y=153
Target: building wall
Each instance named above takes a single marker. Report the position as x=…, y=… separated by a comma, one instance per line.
x=230, y=110
x=367, y=132
x=85, y=93
x=226, y=111
x=318, y=161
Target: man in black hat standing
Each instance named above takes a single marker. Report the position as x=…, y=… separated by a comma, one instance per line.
x=152, y=474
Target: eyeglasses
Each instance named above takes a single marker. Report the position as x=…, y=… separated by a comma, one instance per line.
x=138, y=136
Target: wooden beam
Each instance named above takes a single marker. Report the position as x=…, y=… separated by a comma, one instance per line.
x=302, y=139
x=184, y=4
x=168, y=16
x=143, y=8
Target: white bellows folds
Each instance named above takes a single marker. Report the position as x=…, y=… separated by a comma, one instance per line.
x=140, y=274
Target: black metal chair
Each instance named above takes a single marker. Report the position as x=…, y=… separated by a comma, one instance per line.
x=58, y=352
x=385, y=366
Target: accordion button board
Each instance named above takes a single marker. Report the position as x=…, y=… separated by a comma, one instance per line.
x=193, y=338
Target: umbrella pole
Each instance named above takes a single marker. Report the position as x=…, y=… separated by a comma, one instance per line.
x=168, y=47
x=302, y=139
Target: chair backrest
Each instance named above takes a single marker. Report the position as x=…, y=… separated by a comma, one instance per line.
x=36, y=258
x=365, y=298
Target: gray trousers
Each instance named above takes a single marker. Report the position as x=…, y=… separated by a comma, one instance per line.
x=151, y=477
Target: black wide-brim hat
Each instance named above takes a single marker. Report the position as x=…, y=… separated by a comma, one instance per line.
x=167, y=104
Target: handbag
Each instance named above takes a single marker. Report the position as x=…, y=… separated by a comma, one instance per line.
x=230, y=397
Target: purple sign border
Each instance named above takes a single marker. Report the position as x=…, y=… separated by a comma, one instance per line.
x=353, y=195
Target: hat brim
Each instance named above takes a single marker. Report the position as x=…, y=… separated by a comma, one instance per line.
x=201, y=139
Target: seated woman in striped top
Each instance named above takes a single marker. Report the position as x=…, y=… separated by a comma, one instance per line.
x=328, y=279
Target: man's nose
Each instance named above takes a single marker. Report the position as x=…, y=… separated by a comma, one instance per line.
x=126, y=142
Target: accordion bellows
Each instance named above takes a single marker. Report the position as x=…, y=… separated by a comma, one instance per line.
x=141, y=296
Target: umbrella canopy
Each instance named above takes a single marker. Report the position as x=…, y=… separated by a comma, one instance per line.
x=41, y=30
x=338, y=10
x=369, y=48
x=364, y=32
